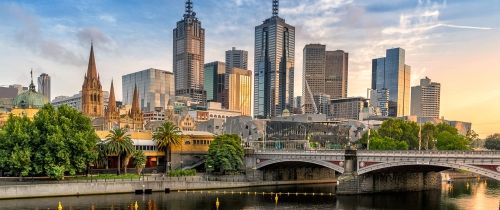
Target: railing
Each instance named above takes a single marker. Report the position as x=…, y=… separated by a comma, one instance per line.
x=431, y=153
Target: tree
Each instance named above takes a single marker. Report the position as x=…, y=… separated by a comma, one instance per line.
x=225, y=154
x=118, y=143
x=15, y=145
x=450, y=141
x=428, y=134
x=492, y=142
x=474, y=139
x=400, y=130
x=166, y=136
x=139, y=161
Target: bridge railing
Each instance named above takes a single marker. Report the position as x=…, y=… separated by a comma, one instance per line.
x=421, y=153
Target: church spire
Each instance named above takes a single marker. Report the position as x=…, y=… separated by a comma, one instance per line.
x=32, y=85
x=112, y=99
x=135, y=102
x=276, y=7
x=92, y=70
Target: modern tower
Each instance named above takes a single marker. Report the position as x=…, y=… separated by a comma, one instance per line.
x=189, y=56
x=215, y=75
x=92, y=95
x=392, y=74
x=426, y=99
x=44, y=85
x=325, y=74
x=156, y=88
x=236, y=58
x=239, y=91
x=274, y=66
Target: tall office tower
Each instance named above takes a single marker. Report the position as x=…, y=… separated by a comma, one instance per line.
x=336, y=73
x=189, y=56
x=274, y=66
x=235, y=59
x=379, y=99
x=155, y=88
x=325, y=72
x=426, y=99
x=313, y=75
x=240, y=91
x=44, y=85
x=92, y=95
x=393, y=74
x=297, y=102
x=215, y=75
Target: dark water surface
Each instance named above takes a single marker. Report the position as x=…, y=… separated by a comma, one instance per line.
x=465, y=194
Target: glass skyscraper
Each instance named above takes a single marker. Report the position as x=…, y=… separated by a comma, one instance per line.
x=155, y=87
x=391, y=73
x=274, y=66
x=215, y=76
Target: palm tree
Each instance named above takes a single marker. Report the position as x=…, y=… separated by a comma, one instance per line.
x=166, y=136
x=118, y=142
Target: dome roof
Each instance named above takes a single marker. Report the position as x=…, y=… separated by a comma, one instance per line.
x=30, y=99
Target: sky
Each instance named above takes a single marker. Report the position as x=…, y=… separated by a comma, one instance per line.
x=454, y=42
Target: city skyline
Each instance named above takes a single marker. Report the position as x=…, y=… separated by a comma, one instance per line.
x=417, y=27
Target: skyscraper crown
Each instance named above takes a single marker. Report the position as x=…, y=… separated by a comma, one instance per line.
x=276, y=7
x=189, y=10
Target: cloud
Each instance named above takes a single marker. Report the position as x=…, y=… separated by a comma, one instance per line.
x=107, y=18
x=88, y=34
x=29, y=34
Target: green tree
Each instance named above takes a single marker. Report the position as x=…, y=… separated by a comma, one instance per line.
x=428, y=133
x=492, y=142
x=166, y=136
x=400, y=130
x=474, y=139
x=139, y=161
x=450, y=141
x=119, y=143
x=102, y=155
x=225, y=154
x=65, y=143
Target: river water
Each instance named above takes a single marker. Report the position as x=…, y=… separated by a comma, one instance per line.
x=464, y=194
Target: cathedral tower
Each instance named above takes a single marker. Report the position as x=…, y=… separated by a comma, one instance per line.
x=92, y=96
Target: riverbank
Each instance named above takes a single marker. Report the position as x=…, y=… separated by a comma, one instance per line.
x=101, y=187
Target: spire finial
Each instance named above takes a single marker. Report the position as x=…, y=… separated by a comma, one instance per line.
x=189, y=8
x=32, y=85
x=276, y=7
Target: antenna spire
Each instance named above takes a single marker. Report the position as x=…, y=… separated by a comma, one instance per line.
x=189, y=8
x=276, y=7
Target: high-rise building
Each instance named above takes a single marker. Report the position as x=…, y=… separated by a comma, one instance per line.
x=44, y=85
x=379, y=99
x=189, y=56
x=297, y=102
x=240, y=91
x=426, y=99
x=92, y=95
x=235, y=59
x=215, y=76
x=274, y=66
x=155, y=88
x=325, y=73
x=393, y=74
x=346, y=108
x=336, y=73
x=322, y=101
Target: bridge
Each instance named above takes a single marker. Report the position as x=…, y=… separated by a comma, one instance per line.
x=368, y=169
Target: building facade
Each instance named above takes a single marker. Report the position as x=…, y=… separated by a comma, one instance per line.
x=325, y=73
x=426, y=99
x=379, y=100
x=155, y=87
x=393, y=74
x=92, y=95
x=274, y=66
x=235, y=59
x=239, y=92
x=346, y=108
x=214, y=84
x=44, y=85
x=189, y=56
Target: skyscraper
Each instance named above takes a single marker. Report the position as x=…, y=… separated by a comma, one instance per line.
x=240, y=91
x=215, y=75
x=44, y=85
x=155, y=88
x=189, y=56
x=426, y=99
x=393, y=74
x=325, y=73
x=235, y=59
x=274, y=66
x=92, y=95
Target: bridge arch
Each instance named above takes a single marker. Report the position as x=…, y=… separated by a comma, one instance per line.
x=316, y=162
x=470, y=168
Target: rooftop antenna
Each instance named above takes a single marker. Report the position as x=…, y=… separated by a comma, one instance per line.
x=276, y=7
x=189, y=8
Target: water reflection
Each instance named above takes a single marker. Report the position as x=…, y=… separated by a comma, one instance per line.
x=467, y=194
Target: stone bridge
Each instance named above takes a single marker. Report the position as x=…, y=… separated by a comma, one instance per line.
x=366, y=168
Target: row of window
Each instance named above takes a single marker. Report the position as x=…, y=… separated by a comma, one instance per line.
x=146, y=147
x=201, y=142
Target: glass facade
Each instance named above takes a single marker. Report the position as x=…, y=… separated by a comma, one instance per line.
x=393, y=74
x=240, y=91
x=215, y=81
x=274, y=67
x=155, y=87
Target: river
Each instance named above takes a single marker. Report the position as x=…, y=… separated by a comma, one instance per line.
x=463, y=194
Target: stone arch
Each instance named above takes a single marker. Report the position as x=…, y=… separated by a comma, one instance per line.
x=316, y=162
x=470, y=168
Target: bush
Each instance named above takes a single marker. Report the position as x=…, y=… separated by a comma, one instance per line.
x=181, y=172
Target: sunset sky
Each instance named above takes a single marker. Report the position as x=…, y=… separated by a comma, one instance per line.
x=455, y=42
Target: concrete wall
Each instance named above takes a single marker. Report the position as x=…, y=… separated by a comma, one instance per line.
x=101, y=187
x=388, y=182
x=297, y=173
